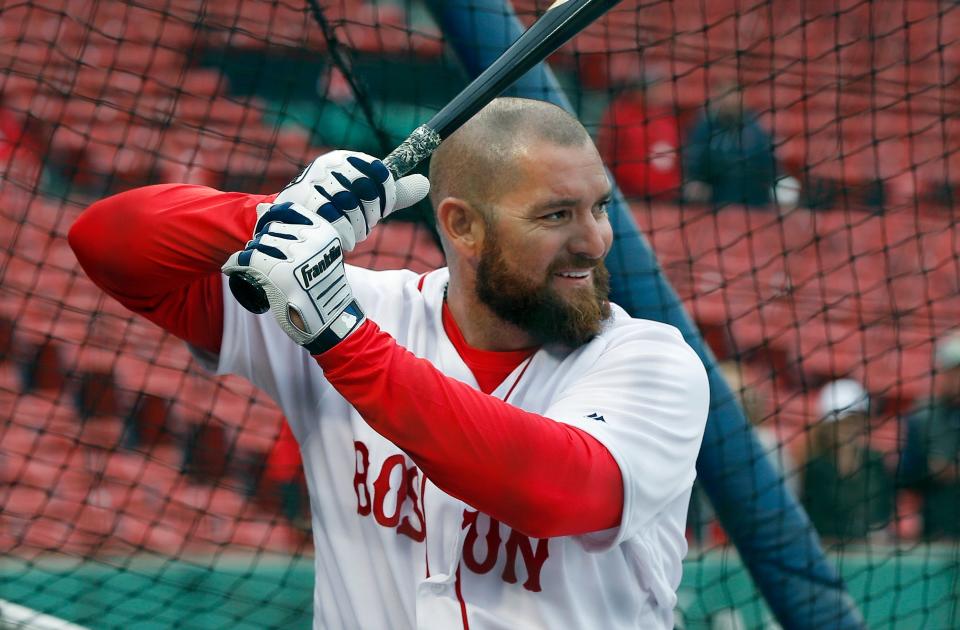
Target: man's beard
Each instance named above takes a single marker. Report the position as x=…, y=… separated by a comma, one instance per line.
x=538, y=308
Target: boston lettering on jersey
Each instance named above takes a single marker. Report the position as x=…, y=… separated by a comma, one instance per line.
x=310, y=271
x=373, y=500
x=517, y=546
x=376, y=503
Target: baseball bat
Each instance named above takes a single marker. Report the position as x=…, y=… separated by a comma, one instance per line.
x=563, y=20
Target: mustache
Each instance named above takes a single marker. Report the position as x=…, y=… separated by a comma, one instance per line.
x=579, y=263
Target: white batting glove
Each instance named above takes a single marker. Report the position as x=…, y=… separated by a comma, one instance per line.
x=352, y=191
x=296, y=260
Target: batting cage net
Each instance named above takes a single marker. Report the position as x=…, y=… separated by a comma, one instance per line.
x=793, y=166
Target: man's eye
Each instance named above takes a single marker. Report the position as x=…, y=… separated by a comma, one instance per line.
x=559, y=215
x=602, y=208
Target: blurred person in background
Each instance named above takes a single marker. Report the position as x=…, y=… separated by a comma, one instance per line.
x=728, y=157
x=847, y=491
x=639, y=139
x=931, y=457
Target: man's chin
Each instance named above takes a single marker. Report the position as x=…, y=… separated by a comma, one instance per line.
x=582, y=317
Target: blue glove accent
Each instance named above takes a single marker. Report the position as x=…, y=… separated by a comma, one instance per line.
x=329, y=212
x=280, y=212
x=377, y=173
x=362, y=187
x=244, y=259
x=256, y=245
x=375, y=170
x=345, y=200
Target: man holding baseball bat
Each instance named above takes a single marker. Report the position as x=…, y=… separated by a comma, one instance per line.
x=489, y=445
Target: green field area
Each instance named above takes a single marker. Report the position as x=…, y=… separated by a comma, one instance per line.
x=916, y=588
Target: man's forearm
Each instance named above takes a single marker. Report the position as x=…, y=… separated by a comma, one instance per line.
x=158, y=251
x=541, y=477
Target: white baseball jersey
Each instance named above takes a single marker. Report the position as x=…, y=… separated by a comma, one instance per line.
x=395, y=551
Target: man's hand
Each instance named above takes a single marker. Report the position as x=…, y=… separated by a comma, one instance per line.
x=296, y=260
x=352, y=191
x=697, y=191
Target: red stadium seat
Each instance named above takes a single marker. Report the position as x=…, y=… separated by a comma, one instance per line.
x=205, y=455
x=265, y=535
x=48, y=535
x=23, y=500
x=142, y=25
x=901, y=375
x=141, y=535
x=219, y=515
x=140, y=374
x=253, y=423
x=42, y=435
x=9, y=381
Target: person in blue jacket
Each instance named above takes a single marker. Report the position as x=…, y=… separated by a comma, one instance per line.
x=729, y=157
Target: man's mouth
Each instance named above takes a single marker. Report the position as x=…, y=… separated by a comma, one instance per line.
x=579, y=274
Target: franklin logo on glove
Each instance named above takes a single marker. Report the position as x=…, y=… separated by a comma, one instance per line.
x=311, y=271
x=293, y=266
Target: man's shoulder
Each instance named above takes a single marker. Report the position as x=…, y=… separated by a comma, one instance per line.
x=622, y=327
x=932, y=409
x=626, y=340
x=394, y=284
x=386, y=277
x=396, y=299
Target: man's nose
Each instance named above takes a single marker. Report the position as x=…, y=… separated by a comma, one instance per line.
x=592, y=237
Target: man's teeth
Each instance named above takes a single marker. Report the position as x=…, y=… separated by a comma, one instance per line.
x=574, y=274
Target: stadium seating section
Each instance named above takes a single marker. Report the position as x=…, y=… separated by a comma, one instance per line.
x=112, y=401
x=840, y=105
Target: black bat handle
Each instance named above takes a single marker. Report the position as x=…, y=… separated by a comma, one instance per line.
x=417, y=147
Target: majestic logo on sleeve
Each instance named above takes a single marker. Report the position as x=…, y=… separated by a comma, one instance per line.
x=310, y=272
x=596, y=416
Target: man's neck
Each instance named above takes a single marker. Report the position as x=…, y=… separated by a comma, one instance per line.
x=480, y=326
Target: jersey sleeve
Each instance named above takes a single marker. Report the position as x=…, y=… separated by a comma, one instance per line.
x=646, y=400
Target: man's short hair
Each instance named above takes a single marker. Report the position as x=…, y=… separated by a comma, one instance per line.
x=476, y=163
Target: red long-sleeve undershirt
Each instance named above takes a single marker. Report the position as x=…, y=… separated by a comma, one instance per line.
x=158, y=250
x=541, y=477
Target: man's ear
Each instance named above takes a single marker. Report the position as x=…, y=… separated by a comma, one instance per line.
x=461, y=226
